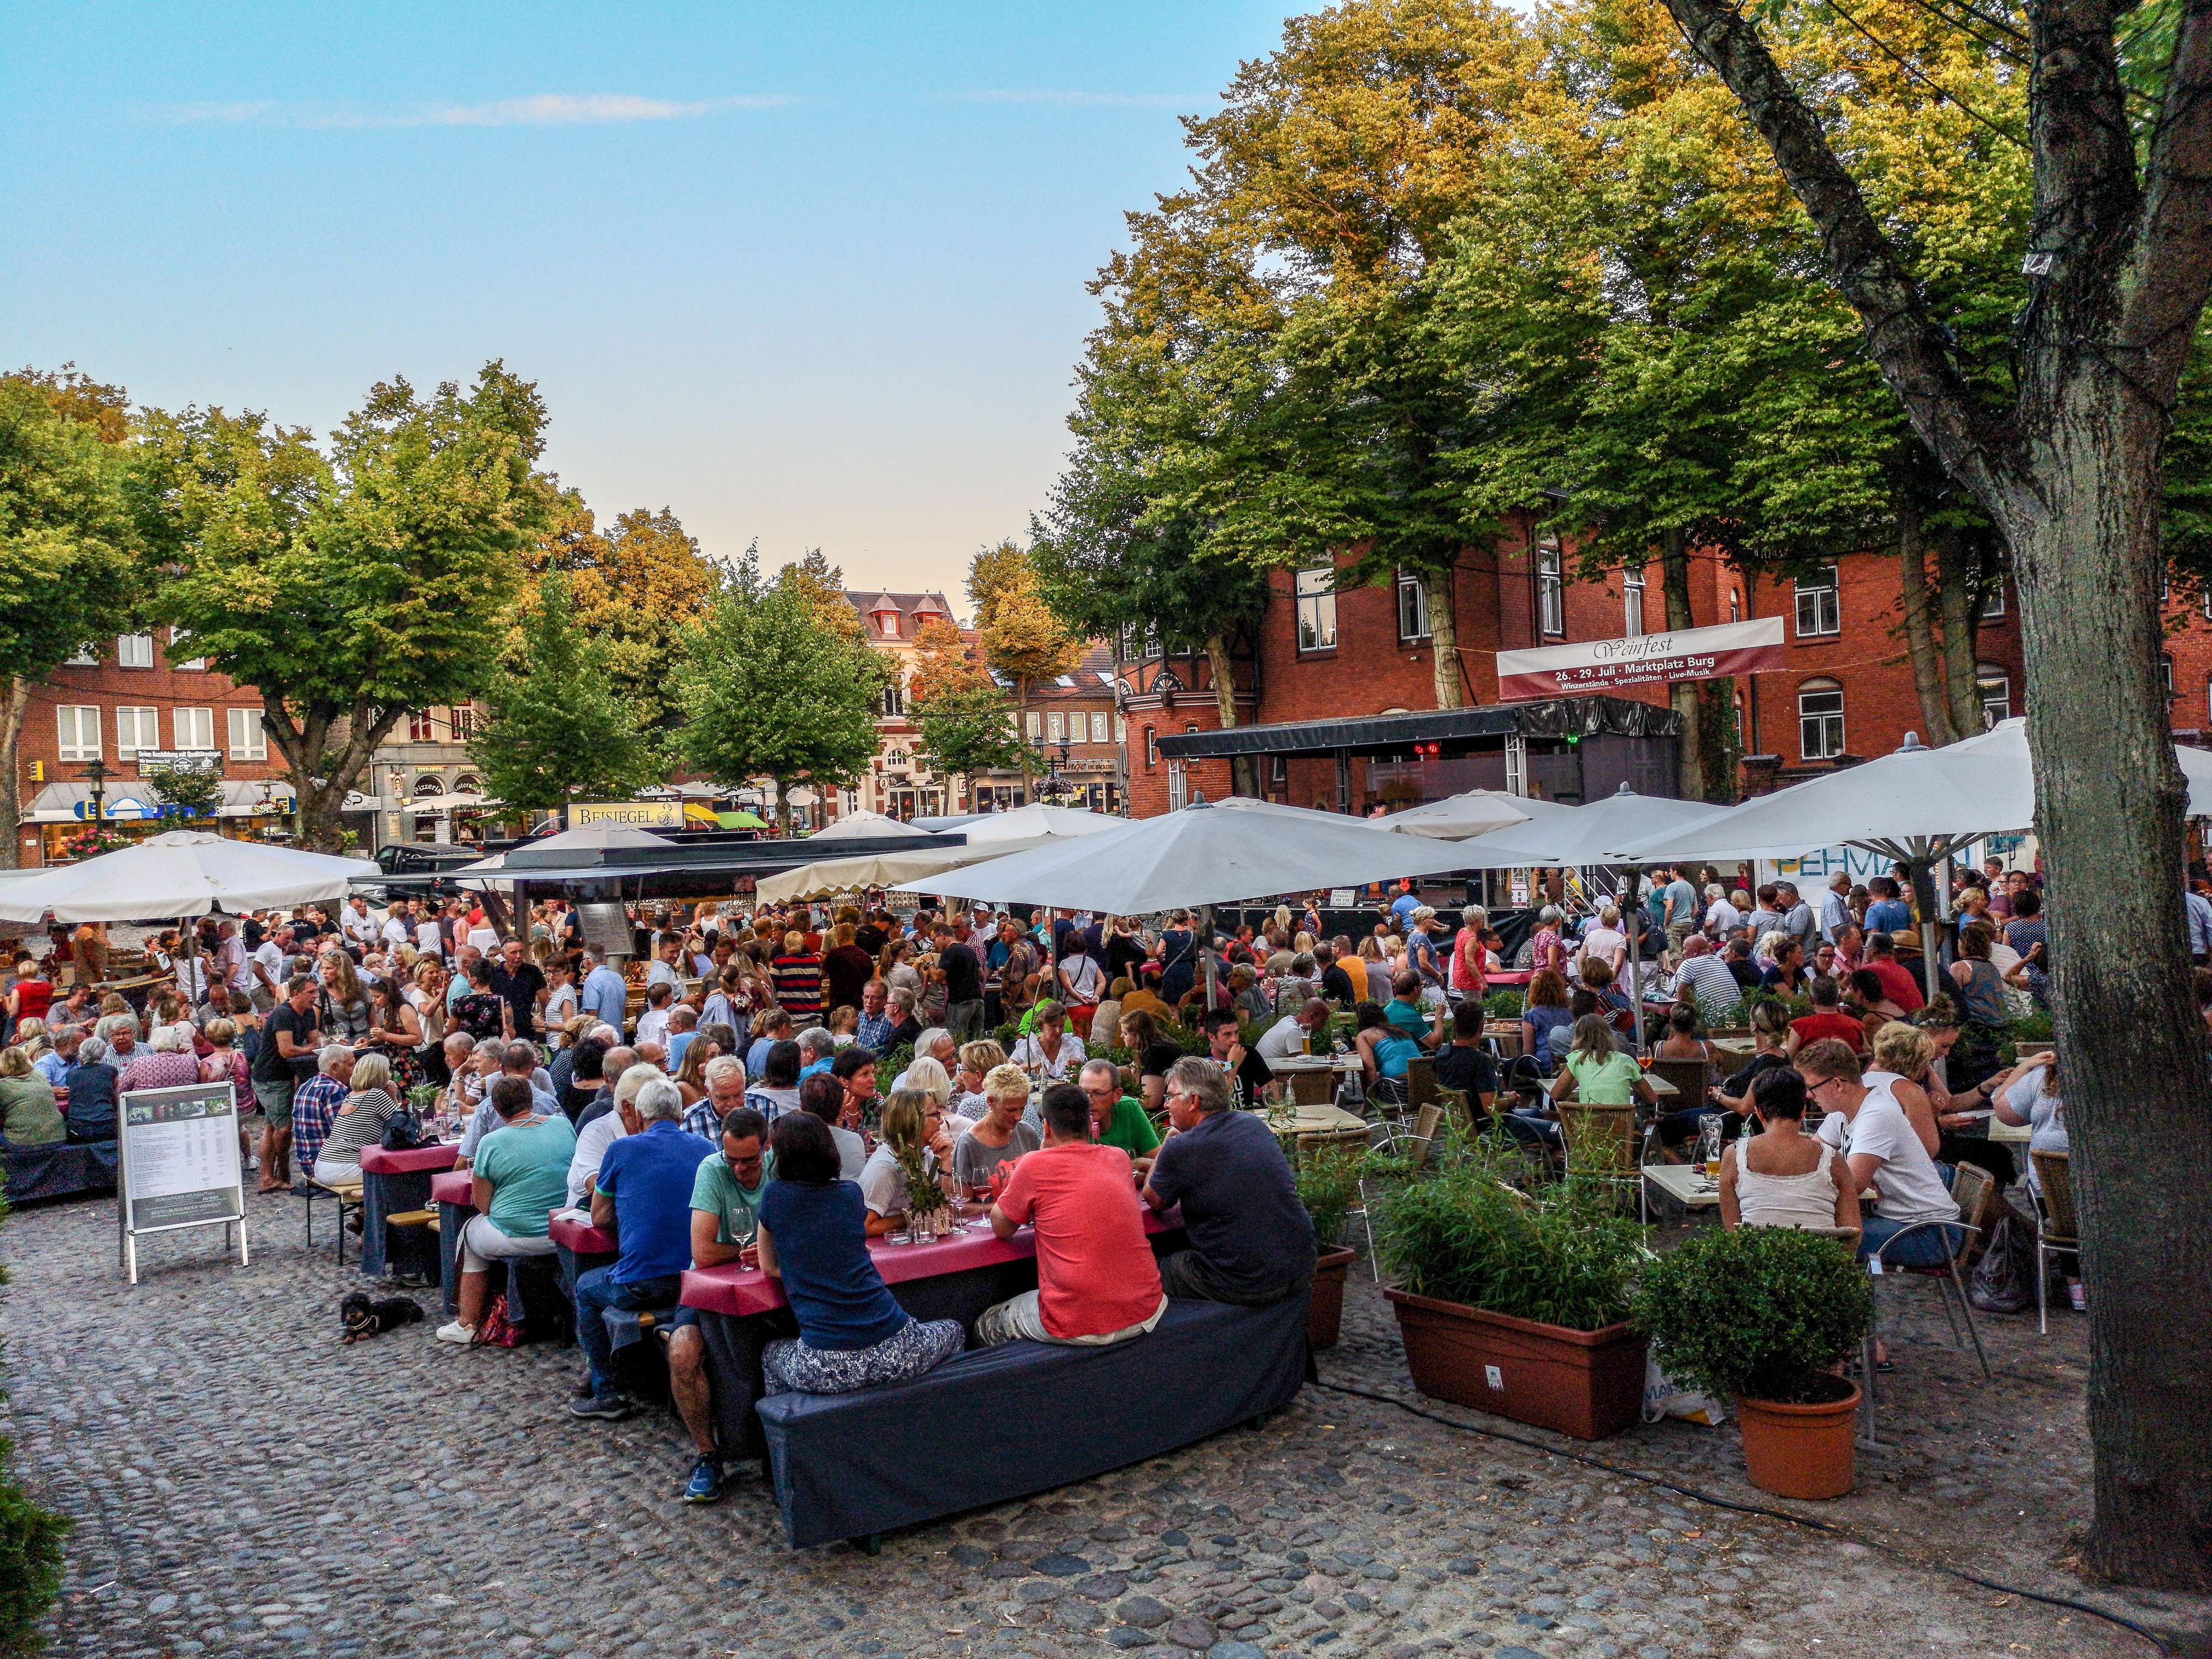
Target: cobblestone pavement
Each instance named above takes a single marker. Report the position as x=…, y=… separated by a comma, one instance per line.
x=243, y=1484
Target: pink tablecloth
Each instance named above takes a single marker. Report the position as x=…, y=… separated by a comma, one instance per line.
x=375, y=1160
x=736, y=1290
x=581, y=1237
x=454, y=1186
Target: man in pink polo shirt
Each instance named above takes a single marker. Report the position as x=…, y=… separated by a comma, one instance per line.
x=1096, y=1280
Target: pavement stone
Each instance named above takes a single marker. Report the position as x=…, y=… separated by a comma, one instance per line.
x=245, y=1485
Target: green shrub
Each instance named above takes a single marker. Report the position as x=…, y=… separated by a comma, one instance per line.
x=1465, y=1236
x=1328, y=1185
x=1504, y=1004
x=1757, y=1311
x=2036, y=1028
x=30, y=1555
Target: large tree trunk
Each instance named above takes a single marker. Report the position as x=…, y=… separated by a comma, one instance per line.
x=11, y=800
x=1443, y=639
x=1958, y=600
x=2109, y=799
x=322, y=778
x=1694, y=774
x=1224, y=678
x=1919, y=606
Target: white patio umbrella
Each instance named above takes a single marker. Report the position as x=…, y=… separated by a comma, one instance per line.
x=991, y=836
x=184, y=873
x=1208, y=853
x=1917, y=806
x=854, y=826
x=1477, y=812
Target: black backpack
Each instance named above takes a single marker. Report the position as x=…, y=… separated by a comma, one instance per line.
x=2003, y=1280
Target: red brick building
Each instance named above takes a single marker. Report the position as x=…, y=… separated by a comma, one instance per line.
x=1337, y=701
x=122, y=696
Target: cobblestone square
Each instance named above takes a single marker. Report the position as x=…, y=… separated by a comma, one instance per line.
x=242, y=1483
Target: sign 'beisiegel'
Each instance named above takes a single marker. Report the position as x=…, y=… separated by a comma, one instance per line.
x=1689, y=654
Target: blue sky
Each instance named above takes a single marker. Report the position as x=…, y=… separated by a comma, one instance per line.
x=811, y=273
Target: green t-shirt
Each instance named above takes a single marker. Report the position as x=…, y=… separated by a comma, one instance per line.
x=527, y=1165
x=736, y=1212
x=1609, y=1082
x=1407, y=1017
x=1130, y=1129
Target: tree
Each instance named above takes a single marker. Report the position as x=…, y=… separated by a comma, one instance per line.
x=69, y=569
x=770, y=687
x=561, y=728
x=1020, y=636
x=196, y=790
x=970, y=729
x=823, y=585
x=942, y=661
x=351, y=586
x=2067, y=466
x=632, y=586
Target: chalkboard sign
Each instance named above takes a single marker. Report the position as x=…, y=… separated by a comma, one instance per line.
x=179, y=1166
x=607, y=929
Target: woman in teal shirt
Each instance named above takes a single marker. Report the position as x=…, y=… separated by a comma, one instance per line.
x=1385, y=1051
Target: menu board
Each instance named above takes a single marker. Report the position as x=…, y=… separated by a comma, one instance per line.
x=607, y=929
x=179, y=1164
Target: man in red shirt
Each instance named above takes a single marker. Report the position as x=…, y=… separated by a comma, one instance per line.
x=1898, y=981
x=1096, y=1279
x=1827, y=1019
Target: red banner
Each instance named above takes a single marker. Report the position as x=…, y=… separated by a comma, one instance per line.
x=1689, y=654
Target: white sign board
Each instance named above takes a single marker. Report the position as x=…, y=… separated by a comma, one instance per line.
x=179, y=1166
x=607, y=929
x=1342, y=898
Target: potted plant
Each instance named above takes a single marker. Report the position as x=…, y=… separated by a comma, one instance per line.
x=1328, y=1185
x=1763, y=1315
x=1516, y=1306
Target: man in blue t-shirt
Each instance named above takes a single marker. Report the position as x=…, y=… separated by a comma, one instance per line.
x=1888, y=913
x=643, y=1191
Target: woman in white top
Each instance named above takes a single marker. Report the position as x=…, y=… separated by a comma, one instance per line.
x=1783, y=1177
x=882, y=1179
x=561, y=1004
x=1048, y=1050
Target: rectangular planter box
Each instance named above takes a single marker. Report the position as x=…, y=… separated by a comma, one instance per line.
x=1588, y=1384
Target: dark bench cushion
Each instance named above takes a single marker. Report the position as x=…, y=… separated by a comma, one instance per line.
x=1025, y=1417
x=58, y=1169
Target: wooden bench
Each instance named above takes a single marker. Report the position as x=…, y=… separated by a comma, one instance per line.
x=347, y=1195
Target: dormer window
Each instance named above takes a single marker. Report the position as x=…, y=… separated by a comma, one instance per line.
x=887, y=623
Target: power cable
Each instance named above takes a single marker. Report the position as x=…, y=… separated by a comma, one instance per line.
x=1740, y=1507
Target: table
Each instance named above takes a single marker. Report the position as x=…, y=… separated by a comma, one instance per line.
x=742, y=1309
x=2017, y=1135
x=1314, y=1125
x=454, y=1194
x=392, y=1183
x=1741, y=1048
x=1660, y=1086
x=1685, y=1183
x=1289, y=1065
x=578, y=1246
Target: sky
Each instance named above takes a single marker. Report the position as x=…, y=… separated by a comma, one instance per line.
x=811, y=275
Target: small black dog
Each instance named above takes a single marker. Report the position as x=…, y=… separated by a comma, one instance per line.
x=364, y=1318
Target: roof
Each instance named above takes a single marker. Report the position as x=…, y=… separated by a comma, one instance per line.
x=1554, y=717
x=1091, y=680
x=914, y=608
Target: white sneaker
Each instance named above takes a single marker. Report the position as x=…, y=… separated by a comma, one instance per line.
x=253, y=1164
x=458, y=1334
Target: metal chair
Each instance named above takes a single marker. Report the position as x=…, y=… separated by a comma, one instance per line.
x=1966, y=1187
x=2058, y=1233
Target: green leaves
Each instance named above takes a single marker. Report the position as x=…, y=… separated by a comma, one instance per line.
x=1758, y=1311
x=560, y=729
x=970, y=730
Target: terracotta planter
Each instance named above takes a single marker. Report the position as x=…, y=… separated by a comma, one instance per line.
x=1801, y=1451
x=1325, y=1312
x=1588, y=1384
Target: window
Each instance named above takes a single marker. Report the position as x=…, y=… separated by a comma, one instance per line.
x=1819, y=720
x=80, y=732
x=419, y=727
x=1121, y=729
x=1413, y=609
x=1037, y=725
x=195, y=727
x=1736, y=606
x=429, y=784
x=1551, y=586
x=137, y=729
x=177, y=659
x=887, y=622
x=1152, y=748
x=1100, y=728
x=1178, y=787
x=464, y=720
x=1055, y=729
x=1316, y=599
x=468, y=784
x=1818, y=610
x=2165, y=674
x=87, y=658
x=1632, y=603
x=134, y=651
x=1994, y=687
x=893, y=700
x=247, y=740
x=1993, y=603
x=1153, y=647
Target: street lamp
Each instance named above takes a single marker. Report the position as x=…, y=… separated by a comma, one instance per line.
x=1054, y=786
x=97, y=775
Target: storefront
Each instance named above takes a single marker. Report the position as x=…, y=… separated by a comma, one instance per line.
x=59, y=828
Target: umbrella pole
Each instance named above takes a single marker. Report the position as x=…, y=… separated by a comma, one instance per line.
x=1634, y=955
x=1206, y=951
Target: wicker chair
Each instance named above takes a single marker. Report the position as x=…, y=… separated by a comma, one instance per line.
x=2057, y=1231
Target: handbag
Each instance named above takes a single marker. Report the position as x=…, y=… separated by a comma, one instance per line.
x=402, y=1131
x=495, y=1329
x=2003, y=1280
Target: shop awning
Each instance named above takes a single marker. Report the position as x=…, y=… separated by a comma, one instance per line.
x=1552, y=717
x=126, y=800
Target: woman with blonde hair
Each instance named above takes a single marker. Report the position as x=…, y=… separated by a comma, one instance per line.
x=905, y=1133
x=1001, y=1138
x=1951, y=1128
x=359, y=1122
x=342, y=1001
x=691, y=1075
x=977, y=1062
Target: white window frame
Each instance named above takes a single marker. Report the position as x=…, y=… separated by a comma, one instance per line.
x=249, y=738
x=1151, y=747
x=137, y=726
x=89, y=658
x=204, y=738
x=1820, y=730
x=1993, y=603
x=1055, y=727
x=72, y=721
x=1819, y=604
x=2166, y=673
x=1178, y=786
x=1631, y=603
x=134, y=650
x=1993, y=691
x=1412, y=600
x=1037, y=725
x=1551, y=587
x=1102, y=726
x=178, y=636
x=1314, y=599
